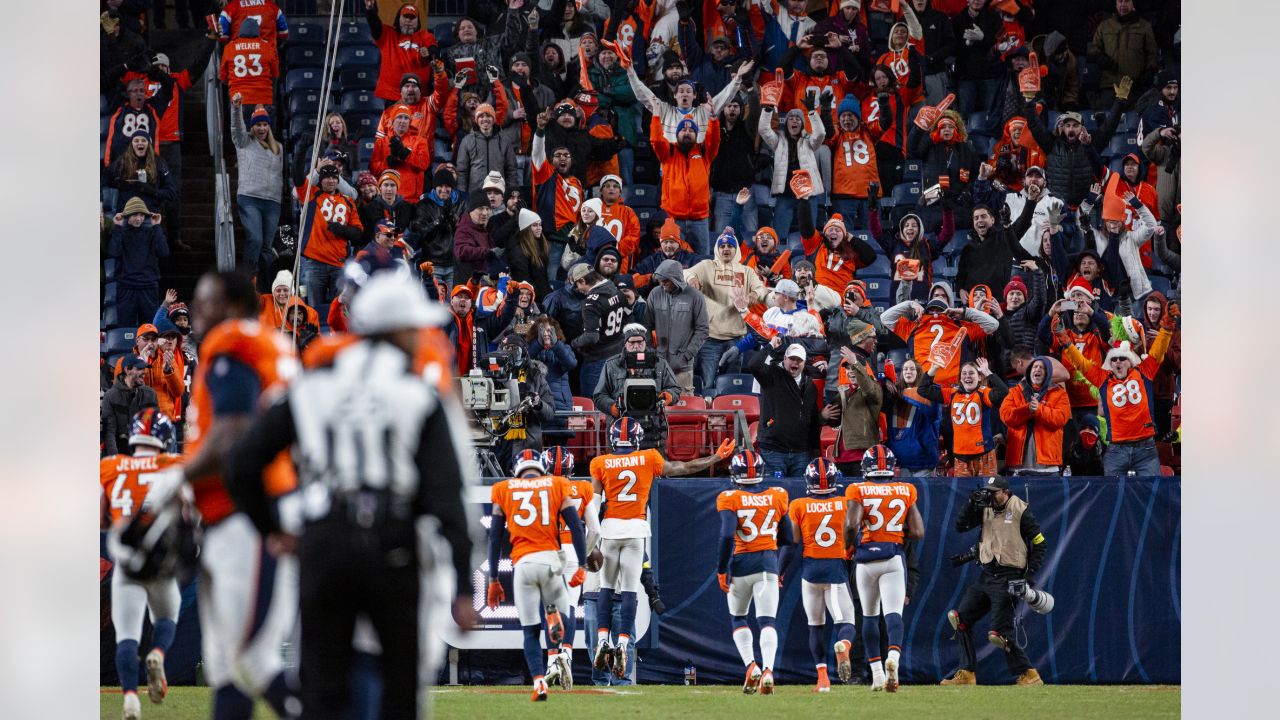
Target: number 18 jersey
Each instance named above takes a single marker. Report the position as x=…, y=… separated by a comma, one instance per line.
x=532, y=509
x=626, y=480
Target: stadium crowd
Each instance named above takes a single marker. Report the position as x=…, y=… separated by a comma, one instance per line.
x=948, y=226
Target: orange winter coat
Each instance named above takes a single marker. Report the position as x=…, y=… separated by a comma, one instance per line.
x=1046, y=423
x=686, y=178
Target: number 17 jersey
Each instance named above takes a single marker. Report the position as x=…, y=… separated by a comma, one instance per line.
x=625, y=481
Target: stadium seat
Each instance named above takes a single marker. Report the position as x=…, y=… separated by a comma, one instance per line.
x=444, y=34
x=753, y=431
x=1120, y=146
x=110, y=317
x=877, y=289
x=303, y=32
x=1167, y=455
x=356, y=32
x=827, y=438
x=358, y=56
x=647, y=195
x=686, y=434
x=363, y=125
x=906, y=194
x=881, y=266
x=958, y=242
x=944, y=268
x=586, y=429
x=691, y=402
x=912, y=171
x=1128, y=123
x=110, y=293
x=1160, y=283
x=109, y=269
x=645, y=214
x=735, y=384
x=646, y=170
x=748, y=404
x=1089, y=74
x=302, y=79
x=303, y=102
x=304, y=56
x=118, y=340
x=301, y=126
x=361, y=101
x=1166, y=471
x=366, y=149
x=1116, y=165
x=356, y=78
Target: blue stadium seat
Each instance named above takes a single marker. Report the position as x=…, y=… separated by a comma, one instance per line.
x=645, y=214
x=1128, y=123
x=877, y=288
x=304, y=56
x=302, y=79
x=944, y=268
x=363, y=125
x=906, y=194
x=358, y=56
x=301, y=126
x=735, y=384
x=983, y=144
x=441, y=151
x=303, y=102
x=912, y=171
x=110, y=317
x=361, y=101
x=1051, y=119
x=898, y=356
x=958, y=241
x=1116, y=164
x=881, y=266
x=649, y=195
x=977, y=122
x=356, y=32
x=444, y=34
x=110, y=293
x=109, y=269
x=1161, y=284
x=865, y=236
x=366, y=149
x=1120, y=146
x=1089, y=74
x=118, y=340
x=303, y=32
x=356, y=78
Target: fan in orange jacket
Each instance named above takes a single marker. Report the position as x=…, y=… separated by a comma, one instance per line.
x=621, y=221
x=169, y=383
x=1016, y=151
x=404, y=47
x=835, y=253
x=407, y=154
x=424, y=110
x=273, y=308
x=686, y=167
x=1034, y=413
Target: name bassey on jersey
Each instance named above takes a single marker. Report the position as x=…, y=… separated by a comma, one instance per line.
x=755, y=540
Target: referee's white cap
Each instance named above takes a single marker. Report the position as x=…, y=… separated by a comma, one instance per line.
x=389, y=301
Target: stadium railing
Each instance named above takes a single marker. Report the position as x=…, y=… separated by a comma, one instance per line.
x=224, y=225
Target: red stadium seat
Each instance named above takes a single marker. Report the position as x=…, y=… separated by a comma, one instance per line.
x=1166, y=471
x=691, y=402
x=686, y=434
x=828, y=441
x=587, y=430
x=748, y=404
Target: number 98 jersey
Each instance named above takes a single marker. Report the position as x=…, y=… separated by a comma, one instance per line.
x=758, y=516
x=884, y=509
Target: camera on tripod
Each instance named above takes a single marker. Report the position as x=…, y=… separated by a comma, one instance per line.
x=640, y=394
x=491, y=393
x=1038, y=600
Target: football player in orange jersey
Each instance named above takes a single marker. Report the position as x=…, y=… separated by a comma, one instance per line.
x=747, y=567
x=559, y=461
x=877, y=535
x=124, y=481
x=248, y=594
x=623, y=479
x=535, y=553
x=819, y=530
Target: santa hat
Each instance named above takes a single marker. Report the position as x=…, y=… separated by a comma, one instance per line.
x=1121, y=349
x=1078, y=283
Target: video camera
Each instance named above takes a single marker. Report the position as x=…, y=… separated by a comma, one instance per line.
x=640, y=394
x=981, y=498
x=492, y=394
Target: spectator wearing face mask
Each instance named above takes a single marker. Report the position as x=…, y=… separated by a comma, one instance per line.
x=1034, y=413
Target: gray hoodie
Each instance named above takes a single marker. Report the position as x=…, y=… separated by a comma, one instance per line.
x=680, y=318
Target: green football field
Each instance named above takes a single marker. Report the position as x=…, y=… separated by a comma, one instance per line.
x=720, y=701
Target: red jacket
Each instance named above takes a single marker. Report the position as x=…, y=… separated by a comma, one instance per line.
x=686, y=178
x=400, y=55
x=411, y=168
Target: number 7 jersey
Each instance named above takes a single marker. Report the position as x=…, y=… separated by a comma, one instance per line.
x=884, y=509
x=625, y=481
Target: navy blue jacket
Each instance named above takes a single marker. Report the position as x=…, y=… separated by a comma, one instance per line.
x=139, y=251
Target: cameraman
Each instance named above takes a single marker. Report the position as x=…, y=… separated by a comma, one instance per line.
x=1010, y=551
x=610, y=393
x=525, y=431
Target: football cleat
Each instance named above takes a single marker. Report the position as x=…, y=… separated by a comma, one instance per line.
x=1028, y=678
x=539, y=690
x=564, y=664
x=953, y=617
x=621, y=651
x=962, y=677
x=157, y=685
x=555, y=626
x=843, y=666
x=132, y=707
x=766, y=682
x=603, y=660
x=891, y=675
x=553, y=670
x=824, y=684
x=752, y=683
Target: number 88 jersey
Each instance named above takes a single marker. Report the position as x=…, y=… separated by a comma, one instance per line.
x=758, y=516
x=884, y=509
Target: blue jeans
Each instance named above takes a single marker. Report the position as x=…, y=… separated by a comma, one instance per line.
x=1140, y=457
x=708, y=363
x=783, y=464
x=784, y=209
x=321, y=283
x=696, y=234
x=136, y=306
x=626, y=164
x=967, y=92
x=589, y=624
x=854, y=211
x=728, y=213
x=260, y=219
x=589, y=375
x=553, y=263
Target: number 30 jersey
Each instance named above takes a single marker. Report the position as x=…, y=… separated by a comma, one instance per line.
x=625, y=481
x=884, y=509
x=532, y=509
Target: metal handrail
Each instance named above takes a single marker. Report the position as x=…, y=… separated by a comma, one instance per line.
x=223, y=224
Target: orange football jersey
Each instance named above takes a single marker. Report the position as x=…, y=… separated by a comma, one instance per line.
x=532, y=508
x=126, y=479
x=884, y=508
x=580, y=494
x=758, y=517
x=270, y=356
x=250, y=67
x=626, y=480
x=923, y=334
x=821, y=524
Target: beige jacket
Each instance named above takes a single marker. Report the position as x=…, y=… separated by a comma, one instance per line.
x=716, y=281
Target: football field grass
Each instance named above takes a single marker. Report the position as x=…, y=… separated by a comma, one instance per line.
x=727, y=702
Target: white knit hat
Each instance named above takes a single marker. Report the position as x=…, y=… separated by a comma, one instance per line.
x=494, y=180
x=596, y=206
x=526, y=218
x=284, y=277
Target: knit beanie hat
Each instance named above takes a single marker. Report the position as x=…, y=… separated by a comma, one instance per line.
x=135, y=206
x=859, y=330
x=609, y=249
x=284, y=277
x=485, y=109
x=443, y=177
x=766, y=230
x=689, y=123
x=669, y=230
x=477, y=201
x=727, y=238
x=1015, y=284
x=365, y=178
x=391, y=175
x=795, y=112
x=836, y=219
x=849, y=104
x=260, y=115
x=1078, y=283
x=527, y=218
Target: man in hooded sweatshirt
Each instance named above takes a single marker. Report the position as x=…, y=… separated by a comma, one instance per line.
x=729, y=288
x=678, y=314
x=405, y=47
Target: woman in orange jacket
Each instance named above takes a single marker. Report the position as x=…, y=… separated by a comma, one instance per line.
x=1034, y=413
